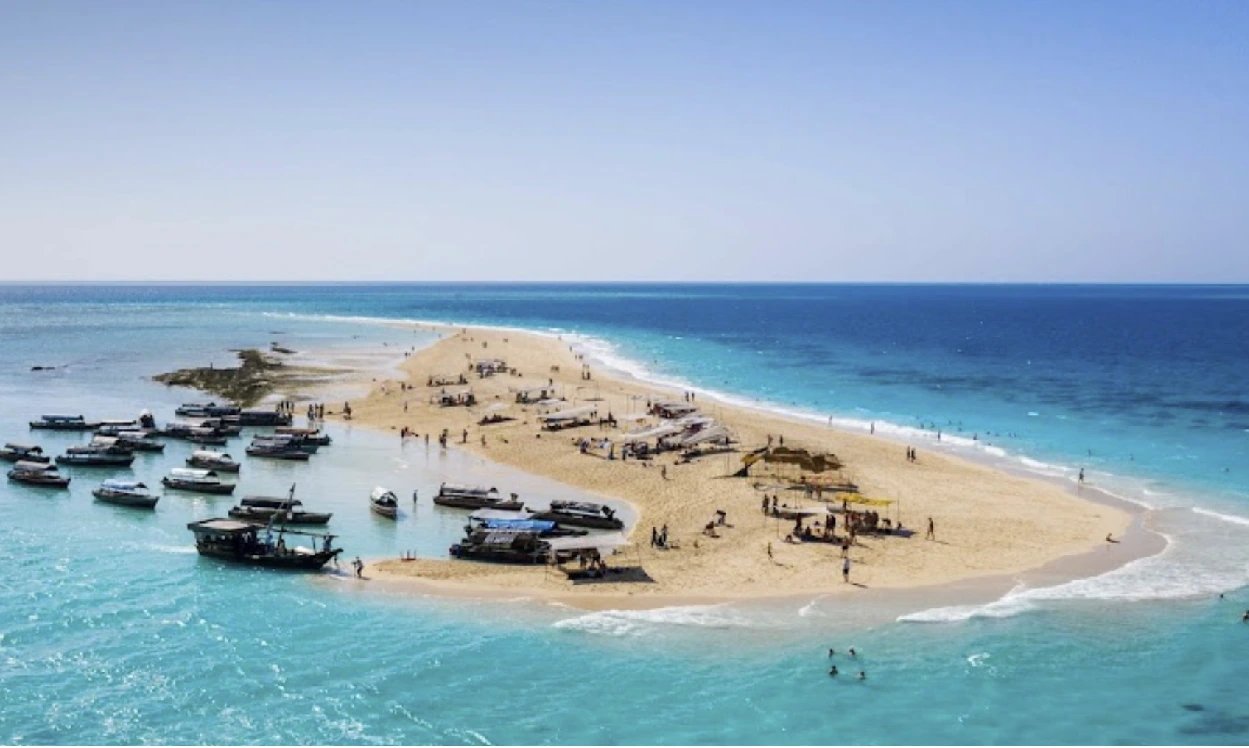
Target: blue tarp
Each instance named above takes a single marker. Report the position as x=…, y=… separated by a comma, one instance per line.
x=534, y=525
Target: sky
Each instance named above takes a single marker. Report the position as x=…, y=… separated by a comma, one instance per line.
x=897, y=140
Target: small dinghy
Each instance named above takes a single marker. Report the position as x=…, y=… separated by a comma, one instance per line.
x=383, y=502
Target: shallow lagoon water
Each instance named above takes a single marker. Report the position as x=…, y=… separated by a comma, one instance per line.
x=112, y=630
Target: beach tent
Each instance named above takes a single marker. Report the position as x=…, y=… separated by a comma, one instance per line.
x=489, y=514
x=714, y=433
x=493, y=407
x=855, y=498
x=571, y=414
x=654, y=432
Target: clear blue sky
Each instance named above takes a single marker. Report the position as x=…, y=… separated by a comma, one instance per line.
x=856, y=141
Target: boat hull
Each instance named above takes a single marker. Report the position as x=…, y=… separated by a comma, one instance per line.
x=469, y=502
x=576, y=520
x=125, y=461
x=205, y=465
x=389, y=512
x=177, y=485
x=288, y=562
x=57, y=482
x=497, y=555
x=15, y=457
x=281, y=517
x=299, y=456
x=126, y=500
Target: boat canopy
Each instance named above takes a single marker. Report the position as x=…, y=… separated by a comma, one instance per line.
x=204, y=454
x=577, y=506
x=192, y=474
x=221, y=527
x=117, y=484
x=22, y=466
x=654, y=432
x=380, y=493
x=489, y=514
x=571, y=414
x=461, y=488
x=119, y=422
x=603, y=542
x=526, y=525
x=715, y=433
x=855, y=498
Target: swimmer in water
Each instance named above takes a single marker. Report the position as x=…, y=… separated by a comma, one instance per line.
x=831, y=652
x=852, y=652
x=832, y=671
x=862, y=675
x=1245, y=617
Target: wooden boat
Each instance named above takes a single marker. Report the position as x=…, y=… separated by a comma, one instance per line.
x=296, y=441
x=38, y=474
x=581, y=514
x=288, y=516
x=63, y=423
x=314, y=437
x=206, y=437
x=264, y=418
x=129, y=441
x=12, y=452
x=125, y=493
x=281, y=449
x=383, y=502
x=475, y=497
x=502, y=546
x=287, y=511
x=206, y=410
x=96, y=456
x=255, y=544
x=196, y=481
x=493, y=519
x=207, y=460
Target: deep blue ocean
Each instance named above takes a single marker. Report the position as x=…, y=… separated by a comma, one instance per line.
x=112, y=630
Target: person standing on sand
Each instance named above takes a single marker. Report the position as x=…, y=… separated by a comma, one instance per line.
x=932, y=532
x=1081, y=478
x=845, y=569
x=359, y=567
x=770, y=558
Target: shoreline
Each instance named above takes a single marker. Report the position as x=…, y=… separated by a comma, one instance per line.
x=1069, y=561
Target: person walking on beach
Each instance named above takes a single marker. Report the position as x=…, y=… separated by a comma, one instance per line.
x=845, y=569
x=1081, y=478
x=654, y=536
x=358, y=565
x=932, y=532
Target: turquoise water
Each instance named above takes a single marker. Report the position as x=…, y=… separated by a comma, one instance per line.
x=112, y=630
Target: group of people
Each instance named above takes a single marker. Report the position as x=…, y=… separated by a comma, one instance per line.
x=659, y=537
x=911, y=455
x=833, y=672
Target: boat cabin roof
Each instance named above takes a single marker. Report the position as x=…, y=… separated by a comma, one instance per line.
x=381, y=493
x=23, y=466
x=577, y=506
x=122, y=485
x=463, y=488
x=24, y=447
x=192, y=473
x=205, y=454
x=222, y=527
x=487, y=514
x=62, y=418
x=119, y=422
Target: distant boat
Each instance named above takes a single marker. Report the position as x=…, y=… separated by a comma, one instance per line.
x=96, y=456
x=208, y=460
x=125, y=493
x=264, y=418
x=383, y=502
x=206, y=410
x=475, y=497
x=63, y=423
x=130, y=441
x=306, y=436
x=250, y=543
x=280, y=449
x=23, y=453
x=38, y=474
x=196, y=481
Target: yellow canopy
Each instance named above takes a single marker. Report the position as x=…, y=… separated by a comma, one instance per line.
x=855, y=498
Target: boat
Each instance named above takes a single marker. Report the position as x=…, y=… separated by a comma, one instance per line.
x=264, y=418
x=475, y=497
x=383, y=502
x=96, y=455
x=125, y=493
x=308, y=436
x=206, y=410
x=287, y=511
x=206, y=437
x=581, y=514
x=502, y=546
x=295, y=441
x=196, y=481
x=493, y=519
x=38, y=474
x=130, y=441
x=12, y=452
x=204, y=459
x=286, y=516
x=246, y=542
x=63, y=423
x=282, y=449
